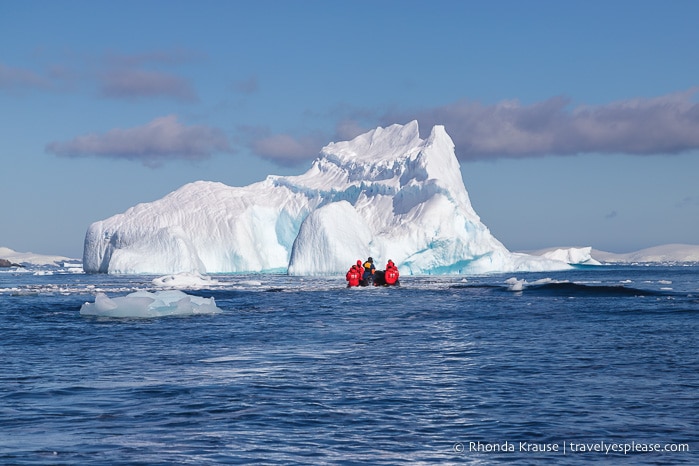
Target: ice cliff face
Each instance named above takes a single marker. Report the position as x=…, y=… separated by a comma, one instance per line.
x=386, y=194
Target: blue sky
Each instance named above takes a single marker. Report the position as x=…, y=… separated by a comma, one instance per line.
x=576, y=123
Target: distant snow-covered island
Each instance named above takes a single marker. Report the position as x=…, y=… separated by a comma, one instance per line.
x=667, y=253
x=664, y=254
x=31, y=259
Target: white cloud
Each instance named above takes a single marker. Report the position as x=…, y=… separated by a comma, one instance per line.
x=163, y=139
x=287, y=150
x=134, y=83
x=247, y=86
x=667, y=124
x=12, y=78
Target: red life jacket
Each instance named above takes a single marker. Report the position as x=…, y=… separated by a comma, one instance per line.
x=353, y=277
x=391, y=276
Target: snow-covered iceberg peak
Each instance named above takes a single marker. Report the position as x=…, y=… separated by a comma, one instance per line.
x=387, y=194
x=408, y=195
x=378, y=146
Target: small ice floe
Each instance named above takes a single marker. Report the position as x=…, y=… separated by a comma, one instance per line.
x=184, y=281
x=513, y=284
x=73, y=268
x=250, y=283
x=144, y=304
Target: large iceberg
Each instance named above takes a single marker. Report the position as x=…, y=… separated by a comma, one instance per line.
x=387, y=194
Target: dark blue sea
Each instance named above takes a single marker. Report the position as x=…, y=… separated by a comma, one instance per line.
x=597, y=364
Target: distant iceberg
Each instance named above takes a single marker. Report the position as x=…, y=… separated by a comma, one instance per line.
x=387, y=194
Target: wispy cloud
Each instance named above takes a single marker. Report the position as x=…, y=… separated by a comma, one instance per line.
x=689, y=201
x=169, y=57
x=147, y=74
x=118, y=76
x=667, y=124
x=292, y=150
x=19, y=79
x=348, y=129
x=247, y=86
x=163, y=139
x=287, y=150
x=134, y=83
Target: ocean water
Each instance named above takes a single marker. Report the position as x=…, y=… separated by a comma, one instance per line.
x=597, y=364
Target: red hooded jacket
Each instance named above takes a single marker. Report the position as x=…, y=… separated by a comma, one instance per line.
x=353, y=276
x=391, y=275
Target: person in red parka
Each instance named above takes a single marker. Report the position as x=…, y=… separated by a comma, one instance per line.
x=353, y=276
x=391, y=275
x=360, y=268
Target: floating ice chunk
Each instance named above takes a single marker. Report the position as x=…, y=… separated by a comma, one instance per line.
x=184, y=280
x=250, y=282
x=514, y=284
x=144, y=304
